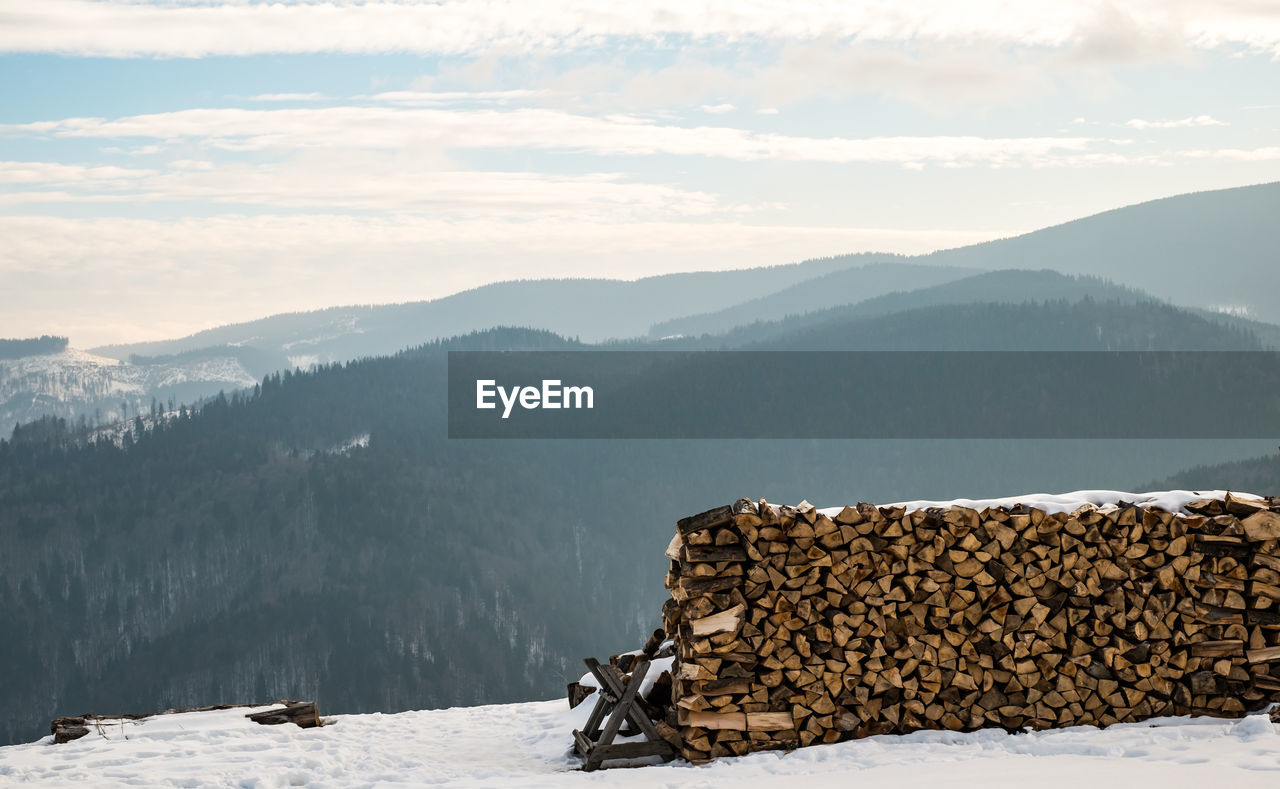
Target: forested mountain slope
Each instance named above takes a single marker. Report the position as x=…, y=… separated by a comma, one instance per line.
x=320, y=536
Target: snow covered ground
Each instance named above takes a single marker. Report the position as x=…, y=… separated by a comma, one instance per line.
x=527, y=745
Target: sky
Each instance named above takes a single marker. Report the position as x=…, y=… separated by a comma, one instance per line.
x=167, y=167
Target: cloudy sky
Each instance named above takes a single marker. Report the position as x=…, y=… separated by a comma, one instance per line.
x=170, y=166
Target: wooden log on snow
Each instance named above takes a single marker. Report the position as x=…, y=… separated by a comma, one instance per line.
x=68, y=729
x=579, y=693
x=304, y=714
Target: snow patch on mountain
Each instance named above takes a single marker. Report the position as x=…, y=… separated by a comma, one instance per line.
x=72, y=383
x=355, y=442
x=305, y=362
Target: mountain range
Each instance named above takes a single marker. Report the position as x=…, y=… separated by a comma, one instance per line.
x=319, y=536
x=1210, y=251
x=314, y=533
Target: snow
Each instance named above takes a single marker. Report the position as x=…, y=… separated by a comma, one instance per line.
x=73, y=382
x=527, y=745
x=355, y=442
x=656, y=667
x=304, y=361
x=1167, y=500
x=340, y=326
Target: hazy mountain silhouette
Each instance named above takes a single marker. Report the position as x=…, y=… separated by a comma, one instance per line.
x=1260, y=475
x=591, y=309
x=829, y=290
x=1058, y=325
x=1209, y=250
x=1214, y=250
x=994, y=287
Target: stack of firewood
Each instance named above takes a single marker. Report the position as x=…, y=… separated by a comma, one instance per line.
x=792, y=627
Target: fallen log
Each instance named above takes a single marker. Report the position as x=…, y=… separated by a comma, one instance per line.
x=304, y=714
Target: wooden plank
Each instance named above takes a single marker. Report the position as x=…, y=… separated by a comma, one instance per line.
x=1228, y=648
x=709, y=585
x=628, y=750
x=673, y=547
x=1265, y=590
x=705, y=520
x=1256, y=617
x=615, y=686
x=1264, y=682
x=769, y=721
x=1267, y=561
x=714, y=553
x=581, y=745
x=735, y=721
x=727, y=686
x=1237, y=505
x=592, y=727
x=1265, y=655
x=1261, y=526
x=618, y=715
x=725, y=621
x=1206, y=506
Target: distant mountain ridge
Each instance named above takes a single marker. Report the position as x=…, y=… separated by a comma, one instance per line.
x=1217, y=250
x=847, y=286
x=16, y=349
x=590, y=309
x=1260, y=475
x=1212, y=252
x=993, y=287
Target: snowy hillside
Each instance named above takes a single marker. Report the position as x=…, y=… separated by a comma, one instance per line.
x=72, y=383
x=527, y=745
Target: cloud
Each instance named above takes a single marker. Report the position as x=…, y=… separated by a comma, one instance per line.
x=281, y=97
x=717, y=109
x=938, y=76
x=1265, y=154
x=114, y=28
x=56, y=173
x=424, y=98
x=177, y=276
x=1197, y=120
x=930, y=74
x=366, y=183
x=424, y=130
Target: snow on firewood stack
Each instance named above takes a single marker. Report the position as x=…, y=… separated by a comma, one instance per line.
x=794, y=625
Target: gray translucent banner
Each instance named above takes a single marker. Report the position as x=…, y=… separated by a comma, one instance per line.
x=864, y=394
